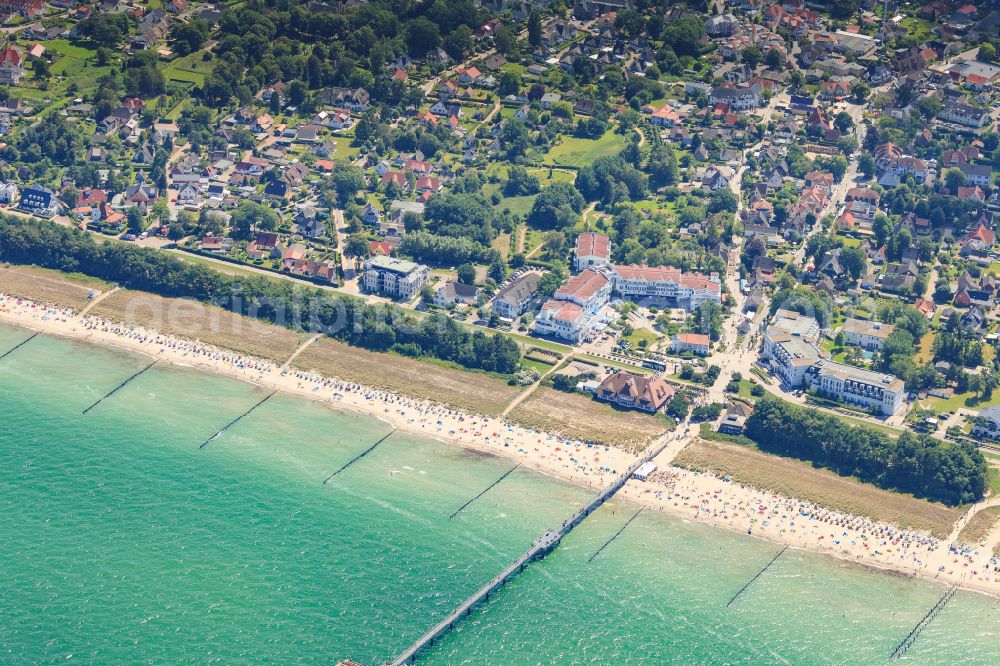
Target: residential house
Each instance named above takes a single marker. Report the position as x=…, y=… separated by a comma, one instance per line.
x=738, y=99
x=38, y=200
x=867, y=334
x=593, y=250
x=964, y=114
x=986, y=424
x=8, y=193
x=513, y=300
x=449, y=293
x=976, y=174
x=697, y=343
x=308, y=223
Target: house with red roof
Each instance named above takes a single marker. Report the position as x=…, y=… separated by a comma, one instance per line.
x=592, y=250
x=626, y=389
x=697, y=343
x=11, y=56
x=468, y=76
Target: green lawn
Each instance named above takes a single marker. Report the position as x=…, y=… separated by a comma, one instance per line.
x=74, y=65
x=171, y=73
x=613, y=364
x=575, y=152
x=993, y=479
x=537, y=342
x=957, y=401
x=640, y=334
x=540, y=367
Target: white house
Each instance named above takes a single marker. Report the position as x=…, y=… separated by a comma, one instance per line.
x=867, y=334
x=394, y=277
x=692, y=342
x=593, y=250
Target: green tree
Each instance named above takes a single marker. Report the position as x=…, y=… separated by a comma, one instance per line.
x=136, y=220
x=345, y=180
x=774, y=60
x=509, y=83
x=866, y=165
x=557, y=206
x=954, y=179
x=356, y=247
x=535, y=28
x=548, y=284
x=751, y=55
x=422, y=35
x=466, y=274
x=250, y=217
x=854, y=261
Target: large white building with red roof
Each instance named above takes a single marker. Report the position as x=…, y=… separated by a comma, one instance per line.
x=589, y=289
x=563, y=319
x=592, y=250
x=688, y=290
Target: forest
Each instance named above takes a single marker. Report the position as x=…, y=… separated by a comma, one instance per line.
x=376, y=327
x=918, y=464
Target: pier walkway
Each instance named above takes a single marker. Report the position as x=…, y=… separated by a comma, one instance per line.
x=541, y=547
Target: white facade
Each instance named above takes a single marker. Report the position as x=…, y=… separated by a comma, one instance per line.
x=859, y=387
x=394, y=277
x=796, y=361
x=867, y=334
x=687, y=289
x=563, y=319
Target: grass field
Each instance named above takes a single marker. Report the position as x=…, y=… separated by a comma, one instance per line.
x=193, y=320
x=980, y=526
x=63, y=290
x=579, y=417
x=926, y=352
x=640, y=334
x=469, y=391
x=800, y=480
x=576, y=152
x=502, y=244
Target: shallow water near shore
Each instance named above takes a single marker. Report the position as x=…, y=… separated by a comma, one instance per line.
x=125, y=542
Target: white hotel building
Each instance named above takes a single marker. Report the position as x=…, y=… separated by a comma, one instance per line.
x=790, y=351
x=569, y=313
x=688, y=290
x=394, y=277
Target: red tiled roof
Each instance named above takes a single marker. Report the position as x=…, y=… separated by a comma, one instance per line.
x=583, y=286
x=564, y=310
x=592, y=244
x=693, y=339
x=643, y=391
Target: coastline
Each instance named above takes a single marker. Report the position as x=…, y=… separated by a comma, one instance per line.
x=686, y=494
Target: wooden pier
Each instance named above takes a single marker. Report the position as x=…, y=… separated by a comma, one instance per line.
x=488, y=489
x=616, y=535
x=541, y=547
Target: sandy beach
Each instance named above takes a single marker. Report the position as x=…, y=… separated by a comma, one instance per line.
x=698, y=497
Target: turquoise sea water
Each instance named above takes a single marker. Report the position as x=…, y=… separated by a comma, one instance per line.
x=123, y=542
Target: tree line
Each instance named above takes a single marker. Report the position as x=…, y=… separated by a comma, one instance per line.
x=379, y=327
x=919, y=464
